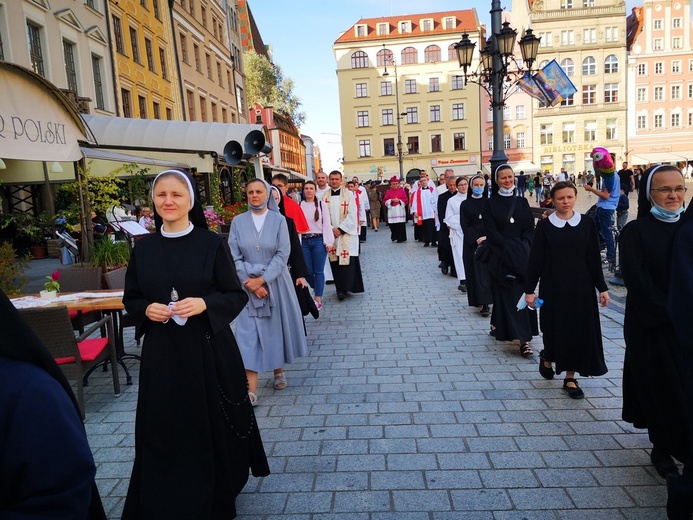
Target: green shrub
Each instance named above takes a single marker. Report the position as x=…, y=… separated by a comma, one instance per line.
x=12, y=269
x=111, y=255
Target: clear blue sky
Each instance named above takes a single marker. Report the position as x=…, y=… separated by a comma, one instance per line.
x=301, y=34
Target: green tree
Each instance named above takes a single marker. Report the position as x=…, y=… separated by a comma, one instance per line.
x=265, y=84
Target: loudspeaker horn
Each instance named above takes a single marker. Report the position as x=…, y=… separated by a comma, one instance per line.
x=233, y=153
x=256, y=144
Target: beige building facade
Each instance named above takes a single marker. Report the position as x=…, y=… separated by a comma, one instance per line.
x=438, y=114
x=588, y=39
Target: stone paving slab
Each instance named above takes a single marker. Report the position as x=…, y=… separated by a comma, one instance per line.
x=410, y=411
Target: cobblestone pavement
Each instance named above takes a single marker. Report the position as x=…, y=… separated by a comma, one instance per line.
x=407, y=409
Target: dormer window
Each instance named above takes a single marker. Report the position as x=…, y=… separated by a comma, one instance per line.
x=361, y=31
x=383, y=28
x=404, y=27
x=449, y=23
x=427, y=25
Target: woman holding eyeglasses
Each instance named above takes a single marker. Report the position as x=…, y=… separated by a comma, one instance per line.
x=652, y=378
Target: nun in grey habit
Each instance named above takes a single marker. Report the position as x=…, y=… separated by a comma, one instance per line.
x=269, y=330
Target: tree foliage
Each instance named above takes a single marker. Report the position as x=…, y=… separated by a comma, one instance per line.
x=265, y=84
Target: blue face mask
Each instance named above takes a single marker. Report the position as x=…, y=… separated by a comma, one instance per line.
x=478, y=191
x=665, y=214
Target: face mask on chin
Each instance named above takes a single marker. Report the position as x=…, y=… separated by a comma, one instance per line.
x=506, y=192
x=664, y=214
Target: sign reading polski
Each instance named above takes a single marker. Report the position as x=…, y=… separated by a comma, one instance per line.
x=32, y=130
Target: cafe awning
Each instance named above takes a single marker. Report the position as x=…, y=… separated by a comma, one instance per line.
x=105, y=155
x=661, y=157
x=37, y=121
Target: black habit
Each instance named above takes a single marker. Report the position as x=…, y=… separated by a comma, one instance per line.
x=444, y=247
x=478, y=280
x=195, y=433
x=509, y=238
x=567, y=262
x=652, y=368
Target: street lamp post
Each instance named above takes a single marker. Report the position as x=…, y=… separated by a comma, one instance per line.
x=497, y=57
x=400, y=151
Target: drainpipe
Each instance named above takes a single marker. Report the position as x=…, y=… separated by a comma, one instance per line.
x=113, y=64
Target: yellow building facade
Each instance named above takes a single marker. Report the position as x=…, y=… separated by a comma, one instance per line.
x=437, y=113
x=146, y=76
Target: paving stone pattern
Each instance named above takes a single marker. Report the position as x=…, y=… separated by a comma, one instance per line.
x=406, y=409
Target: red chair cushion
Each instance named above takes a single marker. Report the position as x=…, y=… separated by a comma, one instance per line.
x=74, y=314
x=65, y=360
x=89, y=349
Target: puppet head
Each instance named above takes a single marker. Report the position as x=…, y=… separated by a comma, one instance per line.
x=603, y=162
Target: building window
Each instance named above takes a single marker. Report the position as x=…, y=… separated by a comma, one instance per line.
x=196, y=55
x=191, y=105
x=452, y=52
x=142, y=105
x=546, y=39
x=589, y=36
x=569, y=101
x=191, y=8
x=203, y=109
x=506, y=141
x=208, y=63
x=658, y=121
x=156, y=110
x=489, y=115
x=589, y=66
x=220, y=76
x=432, y=54
x=70, y=69
x=184, y=49
x=169, y=114
x=611, y=64
x=611, y=34
x=658, y=24
x=143, y=3
x=457, y=82
x=567, y=38
x=659, y=93
x=587, y=3
x=404, y=27
x=413, y=144
x=410, y=86
x=365, y=148
x=98, y=83
x=134, y=45
x=389, y=146
x=155, y=5
x=657, y=44
x=566, y=4
x=436, y=143
x=568, y=67
x=214, y=112
x=690, y=118
x=590, y=130
x=127, y=102
x=433, y=85
x=150, y=54
x=224, y=115
x=118, y=35
x=642, y=122
x=690, y=91
x=386, y=88
x=359, y=60
x=506, y=113
x=427, y=25
x=676, y=67
x=388, y=117
x=569, y=132
x=361, y=90
x=519, y=112
x=490, y=142
x=610, y=92
x=362, y=119
x=569, y=162
x=676, y=23
x=412, y=115
x=642, y=69
x=384, y=57
x=458, y=142
x=546, y=162
x=546, y=134
x=589, y=94
x=457, y=111
x=360, y=31
x=520, y=139
x=162, y=63
x=675, y=92
x=435, y=113
x=35, y=50
x=410, y=56
x=675, y=119
x=659, y=67
x=642, y=94
x=611, y=129
x=383, y=28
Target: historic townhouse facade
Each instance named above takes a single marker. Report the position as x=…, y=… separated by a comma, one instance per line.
x=146, y=75
x=438, y=114
x=64, y=41
x=660, y=78
x=588, y=39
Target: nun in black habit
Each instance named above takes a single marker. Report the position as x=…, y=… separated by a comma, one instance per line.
x=196, y=437
x=476, y=270
x=46, y=467
x=652, y=368
x=509, y=228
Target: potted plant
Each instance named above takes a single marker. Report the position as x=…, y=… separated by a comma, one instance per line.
x=110, y=255
x=51, y=286
x=30, y=234
x=12, y=269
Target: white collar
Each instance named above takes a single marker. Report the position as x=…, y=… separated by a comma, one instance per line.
x=178, y=234
x=559, y=223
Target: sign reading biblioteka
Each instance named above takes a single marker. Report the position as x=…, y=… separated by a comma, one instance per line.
x=35, y=125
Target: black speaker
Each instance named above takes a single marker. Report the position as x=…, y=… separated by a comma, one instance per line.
x=256, y=144
x=233, y=153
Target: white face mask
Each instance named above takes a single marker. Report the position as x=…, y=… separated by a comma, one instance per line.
x=506, y=192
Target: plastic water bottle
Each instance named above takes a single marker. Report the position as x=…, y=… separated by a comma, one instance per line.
x=538, y=302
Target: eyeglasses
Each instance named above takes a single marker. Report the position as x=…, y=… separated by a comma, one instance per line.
x=667, y=190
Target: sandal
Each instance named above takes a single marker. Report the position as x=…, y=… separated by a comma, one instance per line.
x=253, y=398
x=546, y=372
x=573, y=392
x=525, y=349
x=279, y=381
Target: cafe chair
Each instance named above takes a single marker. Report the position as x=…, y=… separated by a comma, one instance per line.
x=116, y=280
x=79, y=279
x=76, y=356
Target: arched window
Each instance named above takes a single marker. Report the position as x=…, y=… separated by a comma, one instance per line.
x=431, y=54
x=452, y=53
x=611, y=64
x=384, y=57
x=589, y=66
x=409, y=56
x=543, y=64
x=568, y=67
x=359, y=60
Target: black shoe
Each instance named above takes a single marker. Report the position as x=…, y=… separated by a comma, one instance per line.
x=341, y=296
x=434, y=244
x=679, y=498
x=485, y=311
x=426, y=244
x=441, y=265
x=444, y=269
x=663, y=463
x=462, y=287
x=546, y=372
x=573, y=393
x=401, y=241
